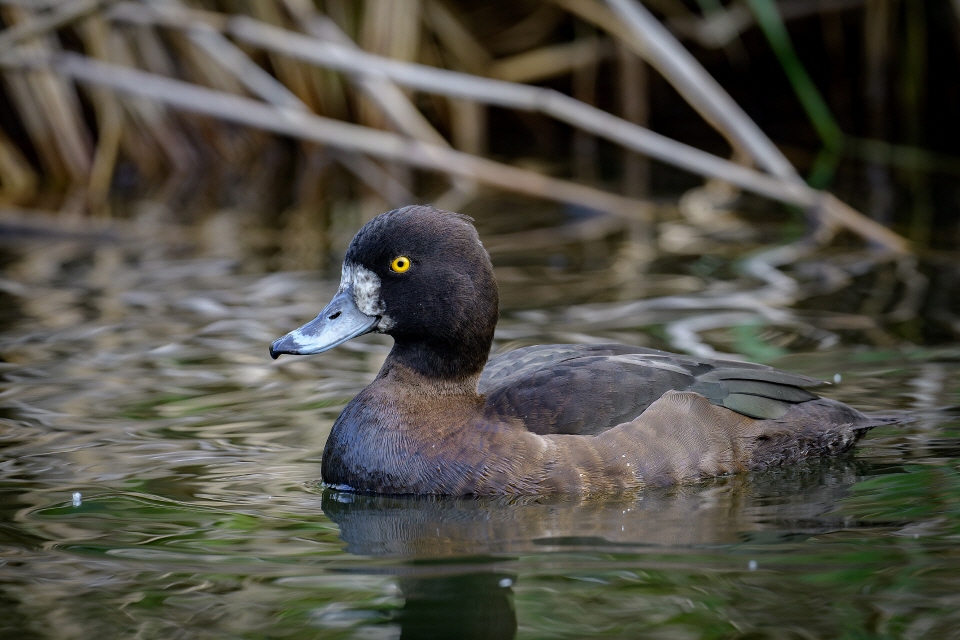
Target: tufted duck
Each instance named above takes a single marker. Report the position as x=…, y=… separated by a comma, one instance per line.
x=440, y=419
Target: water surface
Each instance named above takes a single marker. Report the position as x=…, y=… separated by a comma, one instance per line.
x=158, y=472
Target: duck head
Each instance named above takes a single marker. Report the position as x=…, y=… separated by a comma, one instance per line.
x=420, y=275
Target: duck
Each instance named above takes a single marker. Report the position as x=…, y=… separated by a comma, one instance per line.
x=443, y=418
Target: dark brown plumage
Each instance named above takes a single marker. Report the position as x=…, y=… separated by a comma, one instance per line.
x=545, y=419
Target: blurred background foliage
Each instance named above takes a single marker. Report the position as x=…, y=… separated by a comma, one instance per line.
x=859, y=97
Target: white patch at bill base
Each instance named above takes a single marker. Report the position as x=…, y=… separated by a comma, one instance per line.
x=366, y=292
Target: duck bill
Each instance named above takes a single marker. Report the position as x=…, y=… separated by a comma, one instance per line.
x=339, y=321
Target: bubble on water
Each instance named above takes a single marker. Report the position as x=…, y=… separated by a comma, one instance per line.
x=837, y=378
x=506, y=582
x=752, y=565
x=76, y=498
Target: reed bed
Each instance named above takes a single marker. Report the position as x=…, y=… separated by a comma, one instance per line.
x=292, y=107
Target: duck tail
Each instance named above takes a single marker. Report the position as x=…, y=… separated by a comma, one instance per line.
x=884, y=418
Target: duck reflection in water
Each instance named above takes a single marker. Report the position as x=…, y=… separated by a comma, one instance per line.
x=457, y=570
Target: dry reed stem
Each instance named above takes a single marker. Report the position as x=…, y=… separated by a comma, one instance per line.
x=33, y=120
x=562, y=107
x=470, y=55
x=262, y=84
x=55, y=124
x=584, y=89
x=390, y=28
x=723, y=25
x=110, y=121
x=342, y=135
x=300, y=78
x=54, y=224
x=329, y=92
x=152, y=129
x=454, y=85
x=468, y=119
x=226, y=54
x=655, y=44
x=661, y=49
x=379, y=181
x=551, y=61
x=592, y=229
x=468, y=126
x=634, y=100
x=392, y=101
x=520, y=97
x=394, y=104
x=61, y=15
x=18, y=181
x=527, y=32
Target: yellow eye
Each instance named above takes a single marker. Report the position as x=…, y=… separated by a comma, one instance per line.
x=400, y=264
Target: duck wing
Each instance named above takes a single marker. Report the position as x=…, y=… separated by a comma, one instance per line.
x=587, y=389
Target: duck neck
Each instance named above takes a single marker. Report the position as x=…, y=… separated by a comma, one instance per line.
x=449, y=364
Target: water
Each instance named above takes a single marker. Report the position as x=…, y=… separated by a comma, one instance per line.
x=158, y=471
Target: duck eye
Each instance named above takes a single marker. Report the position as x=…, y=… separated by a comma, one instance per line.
x=400, y=264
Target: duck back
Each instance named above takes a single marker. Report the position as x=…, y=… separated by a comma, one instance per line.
x=588, y=389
